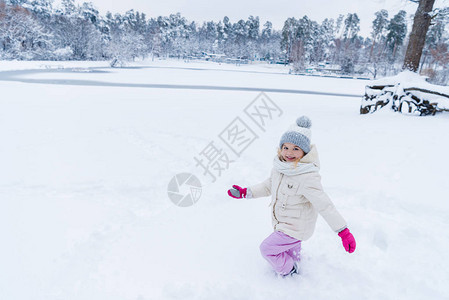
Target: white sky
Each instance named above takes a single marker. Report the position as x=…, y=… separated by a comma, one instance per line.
x=267, y=10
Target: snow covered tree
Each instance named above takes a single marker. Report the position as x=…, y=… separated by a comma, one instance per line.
x=154, y=38
x=207, y=35
x=42, y=9
x=306, y=30
x=240, y=34
x=347, y=48
x=351, y=26
x=220, y=34
x=127, y=37
x=174, y=34
x=339, y=26
x=253, y=25
x=380, y=25
x=179, y=34
x=68, y=7
x=288, y=36
x=125, y=45
x=435, y=52
x=325, y=40
x=267, y=31
x=89, y=13
x=21, y=35
x=265, y=37
x=227, y=28
x=397, y=30
x=16, y=2
x=377, y=50
x=268, y=43
x=74, y=28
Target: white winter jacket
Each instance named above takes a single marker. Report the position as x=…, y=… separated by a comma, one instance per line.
x=297, y=200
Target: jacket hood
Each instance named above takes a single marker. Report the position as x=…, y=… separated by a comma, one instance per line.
x=311, y=157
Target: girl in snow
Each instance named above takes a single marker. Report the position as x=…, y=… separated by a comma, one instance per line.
x=297, y=198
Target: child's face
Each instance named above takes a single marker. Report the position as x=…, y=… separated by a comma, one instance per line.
x=291, y=152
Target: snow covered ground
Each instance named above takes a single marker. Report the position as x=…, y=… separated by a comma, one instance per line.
x=85, y=214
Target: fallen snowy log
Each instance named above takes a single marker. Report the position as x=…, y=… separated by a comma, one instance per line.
x=407, y=93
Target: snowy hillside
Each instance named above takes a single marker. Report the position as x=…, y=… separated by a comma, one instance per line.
x=87, y=153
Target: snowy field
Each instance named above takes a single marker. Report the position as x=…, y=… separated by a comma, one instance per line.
x=87, y=153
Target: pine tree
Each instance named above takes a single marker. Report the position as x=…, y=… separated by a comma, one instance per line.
x=324, y=40
x=288, y=36
x=253, y=26
x=267, y=31
x=380, y=25
x=351, y=26
x=397, y=30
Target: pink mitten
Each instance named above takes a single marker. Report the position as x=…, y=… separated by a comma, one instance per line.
x=237, y=192
x=348, y=240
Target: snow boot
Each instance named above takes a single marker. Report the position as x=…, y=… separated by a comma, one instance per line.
x=295, y=270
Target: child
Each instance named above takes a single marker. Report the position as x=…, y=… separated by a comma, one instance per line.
x=297, y=198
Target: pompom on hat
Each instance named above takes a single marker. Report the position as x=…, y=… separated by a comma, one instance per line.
x=298, y=134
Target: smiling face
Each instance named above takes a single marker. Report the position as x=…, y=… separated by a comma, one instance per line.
x=290, y=152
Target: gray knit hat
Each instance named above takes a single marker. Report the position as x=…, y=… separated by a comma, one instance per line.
x=298, y=134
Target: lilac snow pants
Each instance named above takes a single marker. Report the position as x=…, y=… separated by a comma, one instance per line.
x=281, y=251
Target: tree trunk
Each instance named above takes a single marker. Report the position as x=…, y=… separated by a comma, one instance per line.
x=421, y=24
x=372, y=48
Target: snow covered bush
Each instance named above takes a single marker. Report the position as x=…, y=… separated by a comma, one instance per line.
x=407, y=93
x=63, y=53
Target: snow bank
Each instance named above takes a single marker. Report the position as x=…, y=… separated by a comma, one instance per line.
x=12, y=65
x=409, y=79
